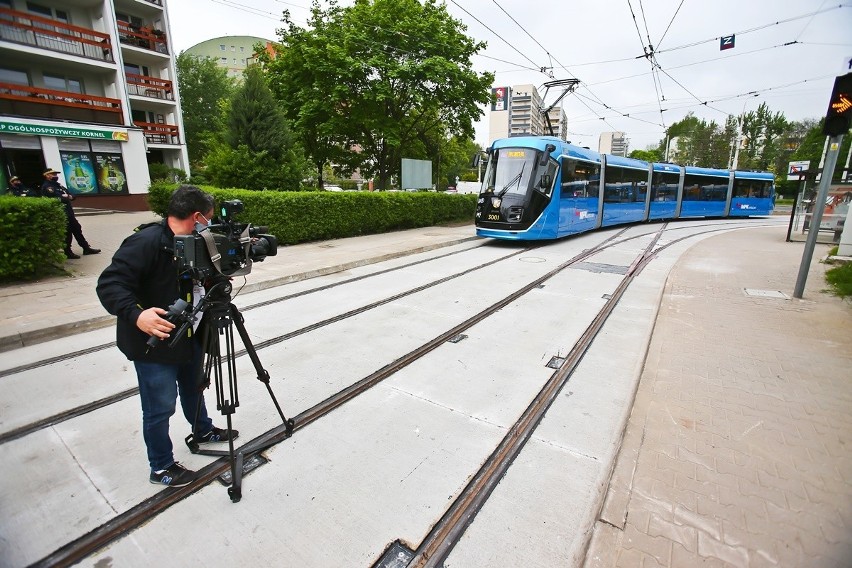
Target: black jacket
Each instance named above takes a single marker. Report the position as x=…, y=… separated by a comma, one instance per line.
x=142, y=275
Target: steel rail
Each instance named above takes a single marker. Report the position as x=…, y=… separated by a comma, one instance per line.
x=89, y=543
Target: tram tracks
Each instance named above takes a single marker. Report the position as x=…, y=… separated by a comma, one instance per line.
x=80, y=548
x=117, y=397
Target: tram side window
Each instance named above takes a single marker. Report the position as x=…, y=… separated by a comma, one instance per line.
x=580, y=179
x=664, y=186
x=624, y=185
x=704, y=188
x=751, y=188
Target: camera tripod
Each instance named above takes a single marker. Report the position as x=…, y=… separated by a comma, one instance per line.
x=222, y=316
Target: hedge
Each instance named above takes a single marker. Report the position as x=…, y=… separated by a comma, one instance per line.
x=33, y=237
x=303, y=216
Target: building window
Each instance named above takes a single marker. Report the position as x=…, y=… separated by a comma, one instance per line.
x=224, y=60
x=60, y=83
x=233, y=48
x=14, y=76
x=221, y=47
x=242, y=49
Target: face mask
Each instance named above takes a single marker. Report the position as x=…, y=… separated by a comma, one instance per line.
x=200, y=227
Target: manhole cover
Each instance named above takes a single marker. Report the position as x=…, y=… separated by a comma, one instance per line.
x=765, y=293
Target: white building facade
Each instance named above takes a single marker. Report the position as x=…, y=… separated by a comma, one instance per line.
x=89, y=88
x=518, y=111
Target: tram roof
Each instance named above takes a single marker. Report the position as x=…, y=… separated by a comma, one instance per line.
x=695, y=170
x=739, y=174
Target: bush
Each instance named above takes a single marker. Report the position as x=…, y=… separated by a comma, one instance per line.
x=296, y=217
x=33, y=237
x=161, y=172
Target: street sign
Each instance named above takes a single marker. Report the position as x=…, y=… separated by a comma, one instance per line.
x=797, y=169
x=726, y=42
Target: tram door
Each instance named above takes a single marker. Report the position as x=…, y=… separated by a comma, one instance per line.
x=579, y=196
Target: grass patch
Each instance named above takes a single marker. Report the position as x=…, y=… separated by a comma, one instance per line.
x=840, y=280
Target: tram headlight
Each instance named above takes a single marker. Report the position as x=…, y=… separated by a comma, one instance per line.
x=495, y=202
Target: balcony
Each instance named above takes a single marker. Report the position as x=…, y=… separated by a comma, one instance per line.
x=144, y=37
x=22, y=100
x=36, y=31
x=159, y=133
x=151, y=87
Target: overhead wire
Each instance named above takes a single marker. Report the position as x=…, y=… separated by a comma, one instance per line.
x=670, y=23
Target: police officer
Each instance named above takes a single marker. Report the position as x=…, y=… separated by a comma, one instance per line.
x=52, y=188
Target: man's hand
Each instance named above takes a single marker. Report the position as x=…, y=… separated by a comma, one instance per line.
x=150, y=322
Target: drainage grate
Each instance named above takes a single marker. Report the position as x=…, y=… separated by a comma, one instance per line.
x=555, y=362
x=249, y=465
x=457, y=338
x=765, y=293
x=397, y=555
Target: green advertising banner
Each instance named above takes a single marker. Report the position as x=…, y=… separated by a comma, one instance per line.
x=79, y=172
x=62, y=131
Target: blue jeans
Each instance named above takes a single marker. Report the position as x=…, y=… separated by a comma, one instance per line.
x=159, y=386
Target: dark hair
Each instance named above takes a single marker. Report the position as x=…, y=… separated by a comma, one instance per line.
x=187, y=200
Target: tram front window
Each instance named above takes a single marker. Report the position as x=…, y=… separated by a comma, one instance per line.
x=510, y=171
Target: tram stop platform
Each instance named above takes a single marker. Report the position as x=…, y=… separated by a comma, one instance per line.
x=737, y=450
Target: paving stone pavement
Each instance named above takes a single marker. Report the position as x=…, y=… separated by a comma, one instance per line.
x=737, y=451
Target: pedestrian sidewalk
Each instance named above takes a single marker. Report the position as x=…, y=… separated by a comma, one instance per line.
x=65, y=305
x=737, y=451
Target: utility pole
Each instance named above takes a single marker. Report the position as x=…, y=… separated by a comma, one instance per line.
x=816, y=218
x=838, y=119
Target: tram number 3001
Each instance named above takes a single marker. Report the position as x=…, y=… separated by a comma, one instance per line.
x=493, y=216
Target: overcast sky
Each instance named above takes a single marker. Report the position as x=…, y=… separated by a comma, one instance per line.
x=786, y=53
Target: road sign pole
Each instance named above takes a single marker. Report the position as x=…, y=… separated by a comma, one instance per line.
x=816, y=219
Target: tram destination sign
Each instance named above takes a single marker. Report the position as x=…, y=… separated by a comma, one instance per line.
x=62, y=131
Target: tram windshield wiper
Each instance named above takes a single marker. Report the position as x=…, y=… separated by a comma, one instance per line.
x=514, y=181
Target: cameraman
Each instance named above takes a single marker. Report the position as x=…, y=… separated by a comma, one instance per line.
x=140, y=282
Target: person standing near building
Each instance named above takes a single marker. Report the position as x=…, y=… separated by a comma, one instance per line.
x=52, y=188
x=16, y=187
x=137, y=286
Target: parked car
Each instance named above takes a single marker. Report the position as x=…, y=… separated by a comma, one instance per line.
x=332, y=187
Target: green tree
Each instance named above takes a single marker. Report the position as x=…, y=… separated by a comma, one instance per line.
x=762, y=131
x=259, y=151
x=204, y=86
x=382, y=75
x=812, y=146
x=649, y=154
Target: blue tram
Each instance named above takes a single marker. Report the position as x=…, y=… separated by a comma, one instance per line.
x=540, y=187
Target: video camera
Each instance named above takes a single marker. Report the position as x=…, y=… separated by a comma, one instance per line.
x=225, y=248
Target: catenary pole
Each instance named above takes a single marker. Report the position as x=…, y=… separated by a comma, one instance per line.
x=816, y=219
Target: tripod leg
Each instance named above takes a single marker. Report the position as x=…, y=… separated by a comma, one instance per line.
x=208, y=355
x=262, y=374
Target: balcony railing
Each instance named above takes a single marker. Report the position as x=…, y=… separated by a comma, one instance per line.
x=149, y=86
x=29, y=29
x=22, y=100
x=144, y=37
x=159, y=133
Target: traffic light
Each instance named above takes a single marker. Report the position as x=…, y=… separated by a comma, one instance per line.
x=839, y=115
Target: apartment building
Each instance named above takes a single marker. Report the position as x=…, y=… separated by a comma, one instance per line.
x=88, y=87
x=615, y=143
x=232, y=53
x=518, y=111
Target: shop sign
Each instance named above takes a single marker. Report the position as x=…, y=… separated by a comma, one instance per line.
x=62, y=131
